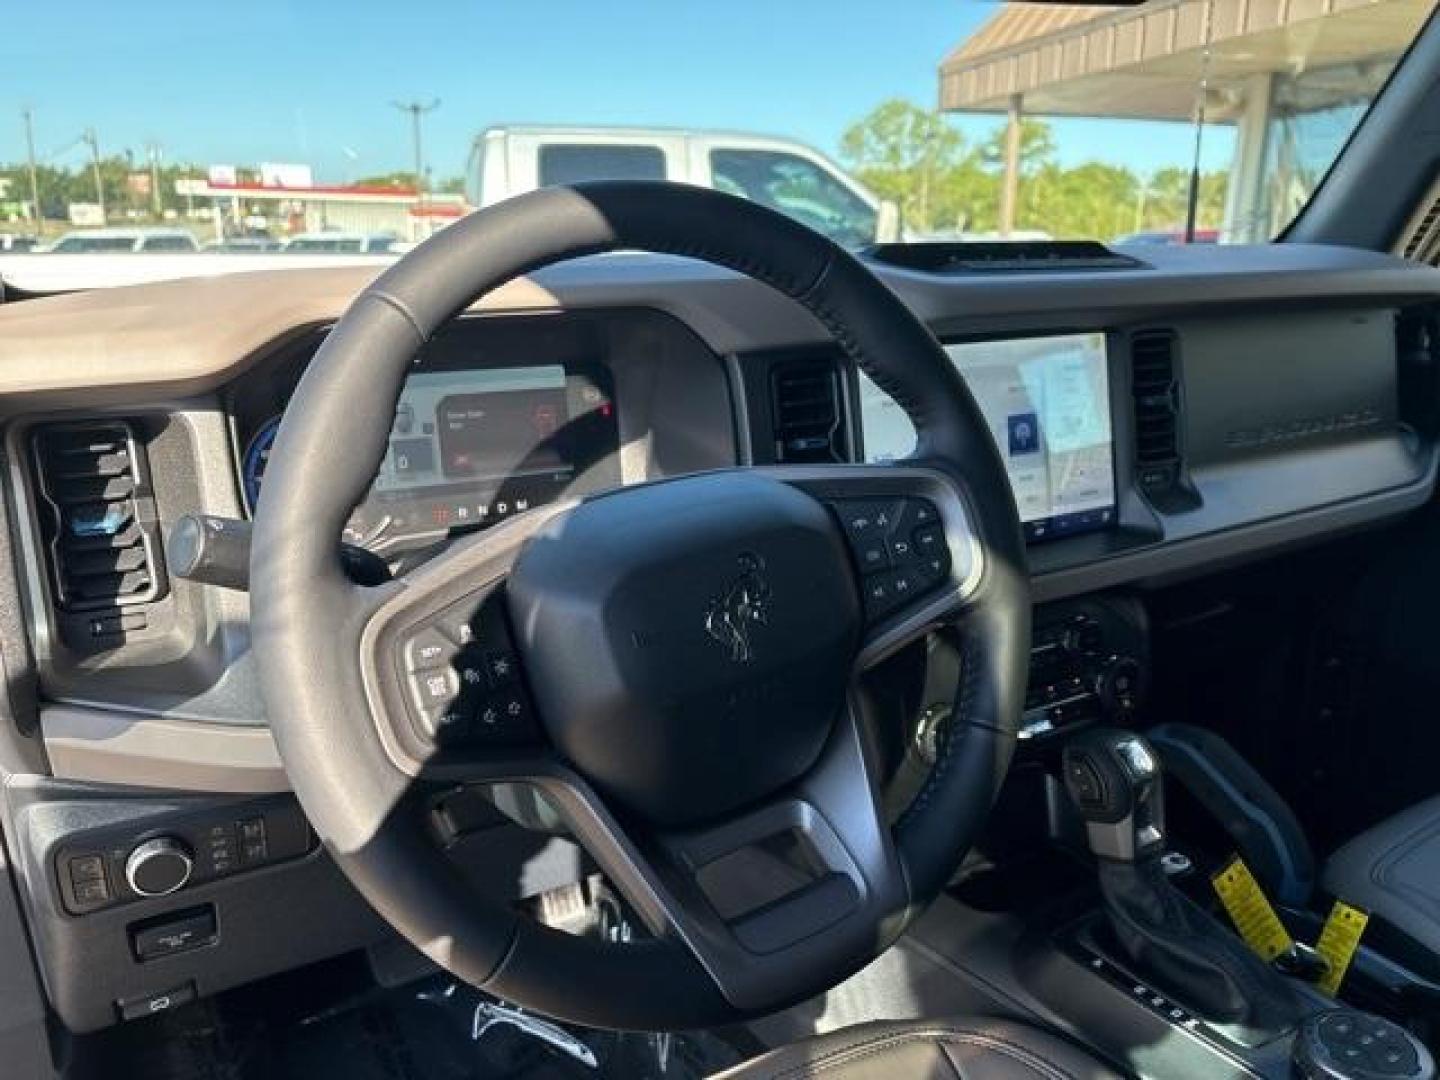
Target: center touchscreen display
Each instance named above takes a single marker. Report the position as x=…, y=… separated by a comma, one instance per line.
x=1047, y=403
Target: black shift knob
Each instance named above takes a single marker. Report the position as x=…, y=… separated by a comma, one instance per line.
x=1113, y=778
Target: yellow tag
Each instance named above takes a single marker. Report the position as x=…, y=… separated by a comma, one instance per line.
x=1338, y=941
x=1250, y=912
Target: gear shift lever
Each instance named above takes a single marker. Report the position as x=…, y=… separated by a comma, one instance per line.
x=1115, y=781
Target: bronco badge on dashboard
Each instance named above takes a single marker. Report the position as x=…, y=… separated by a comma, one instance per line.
x=729, y=617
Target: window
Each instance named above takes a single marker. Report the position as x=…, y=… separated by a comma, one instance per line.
x=798, y=187
x=168, y=243
x=570, y=164
x=91, y=244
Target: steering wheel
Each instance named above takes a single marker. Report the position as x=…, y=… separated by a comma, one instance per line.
x=688, y=649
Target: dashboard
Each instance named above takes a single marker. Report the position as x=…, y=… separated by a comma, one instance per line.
x=1159, y=423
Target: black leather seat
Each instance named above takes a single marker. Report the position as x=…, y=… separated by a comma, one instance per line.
x=928, y=1050
x=1393, y=872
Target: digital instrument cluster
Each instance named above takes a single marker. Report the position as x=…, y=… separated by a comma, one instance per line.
x=475, y=440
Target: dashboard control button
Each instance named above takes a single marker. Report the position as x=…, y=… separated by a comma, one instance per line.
x=253, y=848
x=159, y=867
x=252, y=829
x=91, y=891
x=86, y=868
x=150, y=1004
x=219, y=853
x=173, y=934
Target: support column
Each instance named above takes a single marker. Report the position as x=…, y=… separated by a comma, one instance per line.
x=1246, y=220
x=1010, y=181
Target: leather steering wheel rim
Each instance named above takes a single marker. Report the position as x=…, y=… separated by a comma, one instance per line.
x=308, y=619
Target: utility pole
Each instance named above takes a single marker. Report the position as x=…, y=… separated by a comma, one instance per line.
x=416, y=110
x=94, y=143
x=29, y=116
x=153, y=150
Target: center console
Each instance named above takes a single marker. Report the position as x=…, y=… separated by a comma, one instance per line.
x=1089, y=662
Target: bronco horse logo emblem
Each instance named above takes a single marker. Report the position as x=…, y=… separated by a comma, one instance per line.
x=744, y=603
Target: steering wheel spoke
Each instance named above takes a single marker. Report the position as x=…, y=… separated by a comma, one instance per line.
x=916, y=554
x=442, y=673
x=765, y=898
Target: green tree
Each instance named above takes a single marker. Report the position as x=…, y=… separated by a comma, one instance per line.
x=401, y=178
x=907, y=154
x=1037, y=147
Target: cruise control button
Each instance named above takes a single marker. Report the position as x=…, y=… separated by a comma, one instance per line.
x=428, y=649
x=434, y=689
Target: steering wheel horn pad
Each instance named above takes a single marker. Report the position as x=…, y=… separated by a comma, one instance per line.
x=692, y=646
x=689, y=643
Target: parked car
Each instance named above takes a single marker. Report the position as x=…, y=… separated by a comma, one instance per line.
x=1170, y=236
x=120, y=241
x=782, y=174
x=242, y=245
x=15, y=243
x=341, y=243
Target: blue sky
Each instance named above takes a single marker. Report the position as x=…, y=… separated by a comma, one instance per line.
x=288, y=80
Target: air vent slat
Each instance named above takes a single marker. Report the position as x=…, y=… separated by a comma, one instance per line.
x=1155, y=391
x=102, y=552
x=807, y=412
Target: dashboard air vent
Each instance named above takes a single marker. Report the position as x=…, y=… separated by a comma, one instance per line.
x=807, y=409
x=1157, y=410
x=1421, y=239
x=103, y=547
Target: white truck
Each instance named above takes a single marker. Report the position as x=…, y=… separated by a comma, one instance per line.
x=780, y=173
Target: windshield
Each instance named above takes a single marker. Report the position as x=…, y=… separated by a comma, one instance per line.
x=1170, y=122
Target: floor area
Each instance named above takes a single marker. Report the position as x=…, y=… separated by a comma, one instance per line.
x=332, y=1021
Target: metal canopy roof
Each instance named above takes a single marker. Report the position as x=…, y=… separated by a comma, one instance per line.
x=1145, y=62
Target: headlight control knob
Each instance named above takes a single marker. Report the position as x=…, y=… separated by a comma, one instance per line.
x=159, y=867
